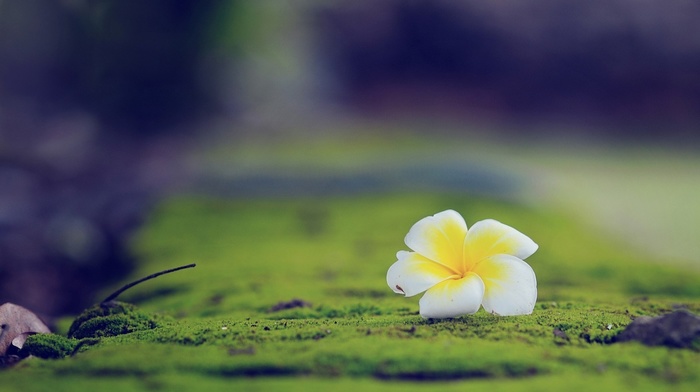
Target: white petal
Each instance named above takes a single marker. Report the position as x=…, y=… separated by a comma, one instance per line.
x=440, y=238
x=510, y=285
x=453, y=298
x=413, y=274
x=489, y=237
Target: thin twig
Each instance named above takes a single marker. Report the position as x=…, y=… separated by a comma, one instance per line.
x=115, y=294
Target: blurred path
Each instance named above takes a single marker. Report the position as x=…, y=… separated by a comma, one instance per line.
x=645, y=197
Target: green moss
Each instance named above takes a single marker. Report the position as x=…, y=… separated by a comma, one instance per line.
x=48, y=346
x=111, y=319
x=390, y=347
x=326, y=311
x=254, y=255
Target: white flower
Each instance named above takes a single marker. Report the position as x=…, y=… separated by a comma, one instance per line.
x=462, y=269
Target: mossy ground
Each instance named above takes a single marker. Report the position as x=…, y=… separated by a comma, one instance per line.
x=223, y=330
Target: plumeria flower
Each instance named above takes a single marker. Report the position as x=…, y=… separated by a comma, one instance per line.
x=463, y=269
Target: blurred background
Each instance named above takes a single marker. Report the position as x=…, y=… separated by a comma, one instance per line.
x=107, y=106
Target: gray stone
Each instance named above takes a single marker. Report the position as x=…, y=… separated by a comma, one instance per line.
x=678, y=329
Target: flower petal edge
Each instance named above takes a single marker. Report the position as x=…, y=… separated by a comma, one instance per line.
x=510, y=285
x=453, y=298
x=412, y=274
x=440, y=238
x=490, y=237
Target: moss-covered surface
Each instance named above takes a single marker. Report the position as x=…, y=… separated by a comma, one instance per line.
x=111, y=319
x=49, y=346
x=291, y=294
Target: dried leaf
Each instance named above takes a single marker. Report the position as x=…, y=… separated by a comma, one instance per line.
x=16, y=324
x=19, y=340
